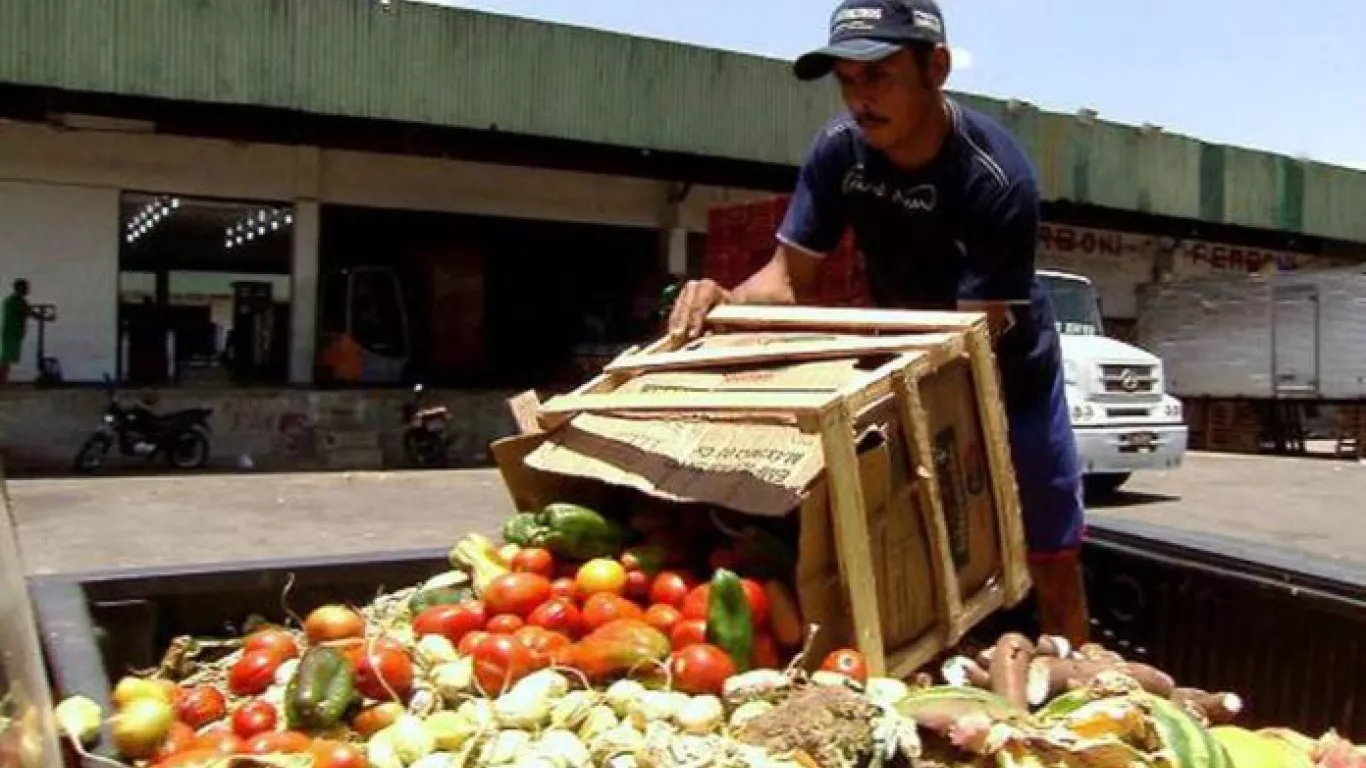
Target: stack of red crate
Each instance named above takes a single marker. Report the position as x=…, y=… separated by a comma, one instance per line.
x=741, y=239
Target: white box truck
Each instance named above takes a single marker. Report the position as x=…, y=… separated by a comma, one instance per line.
x=1122, y=416
x=1282, y=336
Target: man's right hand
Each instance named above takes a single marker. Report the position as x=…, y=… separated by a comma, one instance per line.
x=697, y=298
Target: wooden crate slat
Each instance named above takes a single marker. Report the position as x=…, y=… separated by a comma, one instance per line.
x=814, y=350
x=851, y=532
x=830, y=318
x=991, y=410
x=915, y=424
x=754, y=402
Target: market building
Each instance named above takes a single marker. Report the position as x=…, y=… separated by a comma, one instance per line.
x=286, y=211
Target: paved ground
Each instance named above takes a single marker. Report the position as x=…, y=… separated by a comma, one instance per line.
x=1311, y=505
x=93, y=524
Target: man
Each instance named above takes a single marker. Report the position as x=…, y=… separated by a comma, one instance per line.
x=13, y=326
x=944, y=206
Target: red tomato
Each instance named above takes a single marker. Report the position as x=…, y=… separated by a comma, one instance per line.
x=766, y=652
x=566, y=588
x=662, y=617
x=499, y=662
x=688, y=632
x=467, y=645
x=541, y=642
x=505, y=624
x=393, y=666
x=253, y=673
x=847, y=662
x=337, y=754
x=180, y=738
x=605, y=606
x=193, y=758
x=695, y=604
x=221, y=741
x=758, y=602
x=333, y=622
x=670, y=588
x=452, y=622
x=273, y=639
x=558, y=615
x=701, y=668
x=537, y=561
x=284, y=742
x=353, y=650
x=637, y=586
x=200, y=706
x=517, y=593
x=254, y=717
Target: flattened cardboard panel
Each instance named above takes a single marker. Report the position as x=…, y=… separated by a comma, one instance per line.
x=760, y=469
x=964, y=481
x=531, y=488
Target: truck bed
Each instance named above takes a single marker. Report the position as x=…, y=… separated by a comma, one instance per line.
x=1190, y=604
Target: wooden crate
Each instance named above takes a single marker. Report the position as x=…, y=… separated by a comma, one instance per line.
x=881, y=432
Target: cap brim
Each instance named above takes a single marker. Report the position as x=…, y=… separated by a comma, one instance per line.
x=819, y=63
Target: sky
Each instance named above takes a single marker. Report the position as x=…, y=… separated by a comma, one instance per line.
x=1262, y=74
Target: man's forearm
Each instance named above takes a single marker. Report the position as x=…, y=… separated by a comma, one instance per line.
x=776, y=283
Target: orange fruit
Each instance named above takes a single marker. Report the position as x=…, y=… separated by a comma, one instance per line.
x=599, y=576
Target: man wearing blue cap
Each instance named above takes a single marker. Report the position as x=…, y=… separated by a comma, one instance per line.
x=944, y=206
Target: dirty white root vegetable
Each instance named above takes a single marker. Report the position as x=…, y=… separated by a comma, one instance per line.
x=702, y=715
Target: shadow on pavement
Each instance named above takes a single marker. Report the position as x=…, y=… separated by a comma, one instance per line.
x=1125, y=499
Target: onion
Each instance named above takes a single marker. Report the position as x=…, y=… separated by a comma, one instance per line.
x=435, y=650
x=380, y=751
x=506, y=747
x=702, y=715
x=622, y=694
x=411, y=739
x=565, y=747
x=79, y=718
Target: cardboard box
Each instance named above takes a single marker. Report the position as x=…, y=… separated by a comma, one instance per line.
x=888, y=452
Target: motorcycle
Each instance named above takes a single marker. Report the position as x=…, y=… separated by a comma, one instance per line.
x=181, y=437
x=425, y=440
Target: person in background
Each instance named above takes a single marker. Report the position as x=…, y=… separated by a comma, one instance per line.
x=944, y=206
x=14, y=326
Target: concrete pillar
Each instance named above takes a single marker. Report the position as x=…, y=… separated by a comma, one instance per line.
x=676, y=251
x=303, y=291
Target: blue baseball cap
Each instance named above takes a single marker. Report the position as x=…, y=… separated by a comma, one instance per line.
x=872, y=30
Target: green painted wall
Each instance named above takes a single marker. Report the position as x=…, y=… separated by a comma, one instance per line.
x=451, y=67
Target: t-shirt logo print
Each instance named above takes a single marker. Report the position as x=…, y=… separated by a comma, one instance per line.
x=922, y=198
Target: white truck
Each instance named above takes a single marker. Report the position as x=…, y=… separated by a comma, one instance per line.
x=1123, y=418
x=1283, y=336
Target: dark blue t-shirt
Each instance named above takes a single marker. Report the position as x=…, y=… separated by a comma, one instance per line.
x=962, y=227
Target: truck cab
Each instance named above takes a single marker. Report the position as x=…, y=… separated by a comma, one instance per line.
x=1123, y=418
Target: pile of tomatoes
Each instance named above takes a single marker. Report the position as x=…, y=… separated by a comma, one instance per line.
x=526, y=618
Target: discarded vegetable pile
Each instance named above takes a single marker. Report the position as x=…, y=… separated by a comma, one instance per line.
x=586, y=642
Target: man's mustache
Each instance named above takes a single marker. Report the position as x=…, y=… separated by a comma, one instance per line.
x=866, y=118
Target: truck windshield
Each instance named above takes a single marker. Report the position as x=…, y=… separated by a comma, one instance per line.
x=1074, y=303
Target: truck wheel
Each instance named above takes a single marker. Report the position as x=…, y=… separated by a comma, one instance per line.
x=1100, y=486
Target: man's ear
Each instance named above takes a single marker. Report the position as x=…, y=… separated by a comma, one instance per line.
x=941, y=64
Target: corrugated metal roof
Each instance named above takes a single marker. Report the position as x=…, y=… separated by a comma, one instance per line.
x=453, y=67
